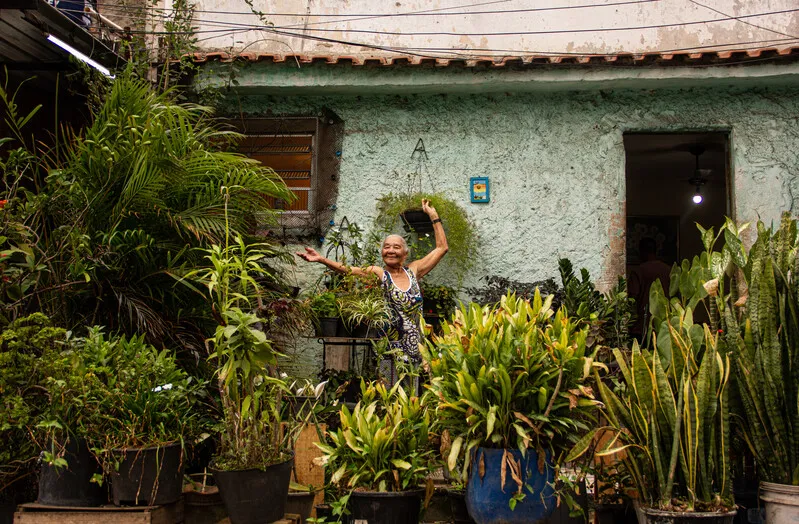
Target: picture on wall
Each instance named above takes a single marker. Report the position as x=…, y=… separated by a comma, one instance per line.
x=664, y=230
x=479, y=189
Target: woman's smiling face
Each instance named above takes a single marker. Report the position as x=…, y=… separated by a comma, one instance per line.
x=394, y=250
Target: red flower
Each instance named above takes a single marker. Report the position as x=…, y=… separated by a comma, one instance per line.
x=3, y=203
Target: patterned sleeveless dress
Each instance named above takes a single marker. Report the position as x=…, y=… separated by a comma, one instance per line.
x=404, y=331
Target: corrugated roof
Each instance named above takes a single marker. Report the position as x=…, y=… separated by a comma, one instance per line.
x=693, y=57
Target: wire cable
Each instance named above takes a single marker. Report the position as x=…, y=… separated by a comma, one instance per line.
x=218, y=23
x=368, y=16
x=742, y=21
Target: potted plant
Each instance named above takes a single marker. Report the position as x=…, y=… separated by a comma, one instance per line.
x=43, y=396
x=303, y=396
x=142, y=408
x=324, y=309
x=381, y=455
x=612, y=502
x=760, y=327
x=253, y=465
x=363, y=306
x=461, y=234
x=668, y=421
x=510, y=385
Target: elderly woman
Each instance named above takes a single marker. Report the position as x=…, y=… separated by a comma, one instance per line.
x=400, y=286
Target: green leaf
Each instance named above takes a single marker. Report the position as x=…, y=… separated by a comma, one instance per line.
x=401, y=464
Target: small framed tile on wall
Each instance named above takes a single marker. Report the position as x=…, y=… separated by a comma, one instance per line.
x=480, y=189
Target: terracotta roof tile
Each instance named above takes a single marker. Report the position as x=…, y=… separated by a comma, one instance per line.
x=620, y=59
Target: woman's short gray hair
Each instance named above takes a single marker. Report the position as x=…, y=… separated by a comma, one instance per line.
x=402, y=241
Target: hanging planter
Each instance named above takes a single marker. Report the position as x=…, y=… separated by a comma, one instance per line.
x=417, y=221
x=404, y=210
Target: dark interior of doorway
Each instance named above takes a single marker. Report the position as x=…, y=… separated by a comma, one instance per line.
x=663, y=173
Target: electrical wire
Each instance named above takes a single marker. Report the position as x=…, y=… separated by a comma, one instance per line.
x=450, y=52
x=368, y=16
x=219, y=23
x=742, y=21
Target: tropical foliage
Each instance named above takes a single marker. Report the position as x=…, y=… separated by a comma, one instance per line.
x=99, y=227
x=515, y=375
x=669, y=423
x=761, y=331
x=383, y=444
x=250, y=389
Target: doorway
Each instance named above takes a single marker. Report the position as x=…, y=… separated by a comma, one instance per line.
x=673, y=181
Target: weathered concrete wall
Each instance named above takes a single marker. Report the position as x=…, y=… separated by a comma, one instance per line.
x=446, y=28
x=556, y=163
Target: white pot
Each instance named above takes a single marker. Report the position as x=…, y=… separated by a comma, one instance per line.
x=782, y=503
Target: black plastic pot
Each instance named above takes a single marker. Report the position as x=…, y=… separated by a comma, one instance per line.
x=148, y=476
x=457, y=506
x=300, y=503
x=327, y=327
x=400, y=507
x=324, y=511
x=615, y=514
x=72, y=485
x=255, y=496
x=202, y=503
x=341, y=329
x=416, y=220
x=364, y=330
x=654, y=516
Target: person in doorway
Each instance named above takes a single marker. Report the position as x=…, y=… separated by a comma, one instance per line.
x=641, y=279
x=400, y=284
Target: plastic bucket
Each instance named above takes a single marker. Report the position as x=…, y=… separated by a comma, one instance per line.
x=782, y=502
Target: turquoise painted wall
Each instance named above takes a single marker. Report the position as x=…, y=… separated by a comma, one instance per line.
x=555, y=160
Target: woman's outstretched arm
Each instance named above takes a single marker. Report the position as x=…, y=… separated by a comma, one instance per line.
x=311, y=255
x=426, y=264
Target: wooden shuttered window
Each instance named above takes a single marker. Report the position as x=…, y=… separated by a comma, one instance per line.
x=305, y=152
x=292, y=157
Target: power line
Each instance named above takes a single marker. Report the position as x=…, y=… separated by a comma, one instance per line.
x=743, y=21
x=219, y=23
x=368, y=16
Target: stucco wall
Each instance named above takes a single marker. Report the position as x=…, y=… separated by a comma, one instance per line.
x=448, y=28
x=556, y=163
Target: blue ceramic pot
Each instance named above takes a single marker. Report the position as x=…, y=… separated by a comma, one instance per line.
x=488, y=502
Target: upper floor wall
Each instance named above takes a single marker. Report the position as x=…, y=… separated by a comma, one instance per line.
x=366, y=29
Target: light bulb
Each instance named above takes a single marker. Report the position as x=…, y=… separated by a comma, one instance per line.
x=697, y=198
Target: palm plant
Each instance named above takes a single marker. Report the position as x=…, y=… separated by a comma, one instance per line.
x=125, y=202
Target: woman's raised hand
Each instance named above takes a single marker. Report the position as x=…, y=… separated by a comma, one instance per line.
x=430, y=210
x=310, y=255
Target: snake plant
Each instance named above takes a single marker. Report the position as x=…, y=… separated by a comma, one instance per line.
x=513, y=375
x=669, y=418
x=762, y=331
